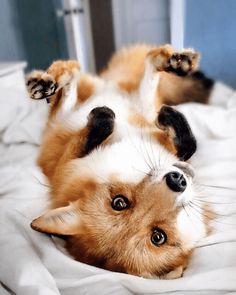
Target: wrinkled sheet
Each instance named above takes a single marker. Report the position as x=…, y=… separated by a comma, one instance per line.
x=34, y=263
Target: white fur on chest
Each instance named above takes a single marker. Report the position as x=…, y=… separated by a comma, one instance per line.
x=132, y=156
x=107, y=94
x=109, y=98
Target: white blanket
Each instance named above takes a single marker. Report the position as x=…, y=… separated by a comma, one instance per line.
x=34, y=263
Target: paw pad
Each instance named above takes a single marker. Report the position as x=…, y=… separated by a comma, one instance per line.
x=182, y=63
x=40, y=88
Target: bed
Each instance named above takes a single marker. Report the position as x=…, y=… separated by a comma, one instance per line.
x=34, y=263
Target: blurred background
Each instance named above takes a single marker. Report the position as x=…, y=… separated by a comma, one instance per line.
x=40, y=31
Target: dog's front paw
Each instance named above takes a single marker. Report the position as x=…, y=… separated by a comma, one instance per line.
x=101, y=121
x=183, y=63
x=179, y=63
x=159, y=57
x=40, y=85
x=177, y=127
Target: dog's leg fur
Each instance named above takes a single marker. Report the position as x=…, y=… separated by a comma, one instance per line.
x=64, y=85
x=126, y=69
x=58, y=83
x=155, y=62
x=158, y=60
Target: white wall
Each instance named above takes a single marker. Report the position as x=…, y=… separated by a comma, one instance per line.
x=141, y=21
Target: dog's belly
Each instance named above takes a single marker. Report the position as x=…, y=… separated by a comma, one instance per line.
x=122, y=106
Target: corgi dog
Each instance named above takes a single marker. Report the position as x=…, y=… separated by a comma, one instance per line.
x=114, y=153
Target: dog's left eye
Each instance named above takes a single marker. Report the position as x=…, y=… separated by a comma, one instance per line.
x=120, y=203
x=158, y=237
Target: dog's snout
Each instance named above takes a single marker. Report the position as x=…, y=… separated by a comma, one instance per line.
x=176, y=181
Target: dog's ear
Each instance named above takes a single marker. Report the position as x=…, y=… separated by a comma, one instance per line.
x=60, y=221
x=174, y=122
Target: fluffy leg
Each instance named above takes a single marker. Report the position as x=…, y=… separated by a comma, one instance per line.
x=42, y=84
x=59, y=83
x=158, y=60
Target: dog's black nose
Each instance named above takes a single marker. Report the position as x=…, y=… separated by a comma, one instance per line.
x=176, y=181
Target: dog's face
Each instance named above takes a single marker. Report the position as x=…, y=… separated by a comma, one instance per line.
x=122, y=209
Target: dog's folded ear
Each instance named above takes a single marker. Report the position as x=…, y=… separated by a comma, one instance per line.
x=175, y=123
x=60, y=221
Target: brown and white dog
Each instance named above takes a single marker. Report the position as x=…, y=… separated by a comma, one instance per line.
x=115, y=159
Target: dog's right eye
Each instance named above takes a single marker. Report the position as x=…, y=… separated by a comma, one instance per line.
x=119, y=203
x=158, y=237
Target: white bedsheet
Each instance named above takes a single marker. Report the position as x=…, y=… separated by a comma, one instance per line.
x=33, y=263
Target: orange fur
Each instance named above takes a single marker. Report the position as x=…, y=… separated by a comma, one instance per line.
x=60, y=68
x=85, y=88
x=209, y=215
x=139, y=120
x=93, y=243
x=97, y=234
x=64, y=144
x=126, y=67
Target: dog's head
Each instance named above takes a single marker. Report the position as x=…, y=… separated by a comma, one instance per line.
x=122, y=208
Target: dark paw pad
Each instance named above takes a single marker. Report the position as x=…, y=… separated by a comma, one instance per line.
x=181, y=64
x=40, y=88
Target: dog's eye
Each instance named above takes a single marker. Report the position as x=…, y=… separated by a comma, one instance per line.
x=158, y=237
x=120, y=203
